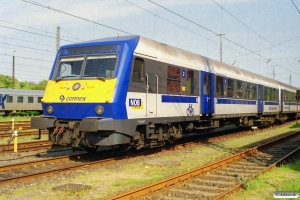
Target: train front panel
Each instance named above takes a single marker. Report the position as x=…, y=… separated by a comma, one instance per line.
x=84, y=101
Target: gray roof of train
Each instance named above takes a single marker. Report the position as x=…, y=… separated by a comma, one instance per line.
x=21, y=92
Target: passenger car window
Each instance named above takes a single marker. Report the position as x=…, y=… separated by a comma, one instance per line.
x=173, y=80
x=239, y=89
x=247, y=91
x=30, y=99
x=20, y=99
x=219, y=86
x=9, y=99
x=253, y=88
x=190, y=82
x=230, y=87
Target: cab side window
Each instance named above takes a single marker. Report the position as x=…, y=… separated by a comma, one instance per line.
x=138, y=70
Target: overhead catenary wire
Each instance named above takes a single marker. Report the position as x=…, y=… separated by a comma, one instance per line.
x=75, y=37
x=27, y=41
x=24, y=71
x=156, y=15
x=35, y=33
x=295, y=6
x=216, y=33
x=76, y=16
x=1, y=54
x=36, y=29
x=187, y=29
x=35, y=52
x=183, y=17
x=178, y=25
x=250, y=28
x=267, y=48
x=41, y=5
x=28, y=47
x=28, y=65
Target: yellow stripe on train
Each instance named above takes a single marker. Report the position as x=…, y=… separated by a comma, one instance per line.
x=83, y=91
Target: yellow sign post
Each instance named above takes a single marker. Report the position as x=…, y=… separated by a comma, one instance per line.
x=15, y=135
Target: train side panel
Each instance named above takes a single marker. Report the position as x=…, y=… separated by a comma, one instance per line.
x=13, y=100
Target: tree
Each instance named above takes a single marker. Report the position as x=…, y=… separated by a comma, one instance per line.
x=6, y=82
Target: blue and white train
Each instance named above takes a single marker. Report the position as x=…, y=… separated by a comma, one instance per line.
x=139, y=93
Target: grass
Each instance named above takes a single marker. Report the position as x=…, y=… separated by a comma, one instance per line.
x=116, y=178
x=284, y=178
x=16, y=118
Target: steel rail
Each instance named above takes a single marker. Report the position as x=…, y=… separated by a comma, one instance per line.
x=40, y=162
x=106, y=161
x=23, y=133
x=278, y=163
x=187, y=175
x=101, y=162
x=28, y=146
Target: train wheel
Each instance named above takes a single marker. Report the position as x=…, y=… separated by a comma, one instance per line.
x=90, y=149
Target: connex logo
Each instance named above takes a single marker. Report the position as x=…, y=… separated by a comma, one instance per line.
x=62, y=98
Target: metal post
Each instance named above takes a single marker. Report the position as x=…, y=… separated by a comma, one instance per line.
x=13, y=71
x=15, y=135
x=220, y=34
x=57, y=38
x=12, y=124
x=39, y=134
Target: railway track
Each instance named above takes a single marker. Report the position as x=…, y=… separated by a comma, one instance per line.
x=219, y=179
x=6, y=126
x=22, y=172
x=22, y=133
x=28, y=146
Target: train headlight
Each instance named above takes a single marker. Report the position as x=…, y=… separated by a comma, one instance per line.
x=99, y=110
x=49, y=109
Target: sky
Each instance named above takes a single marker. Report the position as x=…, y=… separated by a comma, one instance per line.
x=260, y=36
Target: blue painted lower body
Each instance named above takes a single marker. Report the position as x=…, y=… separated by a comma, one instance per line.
x=236, y=101
x=178, y=99
x=78, y=111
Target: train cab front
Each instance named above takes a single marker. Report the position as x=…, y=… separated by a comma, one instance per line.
x=83, y=99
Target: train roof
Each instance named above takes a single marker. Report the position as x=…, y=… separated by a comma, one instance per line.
x=169, y=54
x=132, y=40
x=21, y=92
x=148, y=48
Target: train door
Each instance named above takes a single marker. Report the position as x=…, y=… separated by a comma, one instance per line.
x=151, y=88
x=207, y=92
x=260, y=100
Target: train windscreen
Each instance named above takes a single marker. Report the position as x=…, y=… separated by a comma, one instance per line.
x=69, y=67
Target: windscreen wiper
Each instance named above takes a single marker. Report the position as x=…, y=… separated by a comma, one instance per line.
x=95, y=75
x=60, y=78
